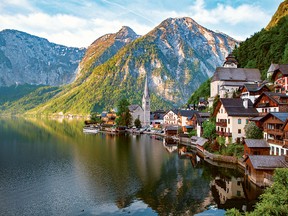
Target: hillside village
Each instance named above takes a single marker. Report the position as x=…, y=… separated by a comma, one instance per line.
x=238, y=96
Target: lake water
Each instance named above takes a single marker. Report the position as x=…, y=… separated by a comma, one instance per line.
x=50, y=167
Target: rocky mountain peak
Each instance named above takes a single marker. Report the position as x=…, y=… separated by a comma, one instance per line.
x=126, y=33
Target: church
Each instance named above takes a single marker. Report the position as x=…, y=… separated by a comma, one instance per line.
x=142, y=113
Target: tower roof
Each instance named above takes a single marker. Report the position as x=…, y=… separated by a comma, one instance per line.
x=230, y=59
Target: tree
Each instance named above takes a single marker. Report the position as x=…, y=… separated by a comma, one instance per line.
x=209, y=130
x=124, y=116
x=252, y=131
x=274, y=200
x=137, y=123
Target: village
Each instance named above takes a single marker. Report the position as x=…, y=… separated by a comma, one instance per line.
x=238, y=97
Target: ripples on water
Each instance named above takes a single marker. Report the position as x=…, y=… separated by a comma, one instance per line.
x=49, y=167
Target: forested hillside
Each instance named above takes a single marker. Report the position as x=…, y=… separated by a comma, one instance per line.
x=264, y=47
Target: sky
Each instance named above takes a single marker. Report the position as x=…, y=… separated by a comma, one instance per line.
x=78, y=23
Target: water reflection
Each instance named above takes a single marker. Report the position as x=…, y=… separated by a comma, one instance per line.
x=49, y=167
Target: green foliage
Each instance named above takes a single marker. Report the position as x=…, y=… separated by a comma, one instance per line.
x=274, y=201
x=264, y=47
x=202, y=91
x=192, y=133
x=124, y=116
x=137, y=123
x=252, y=131
x=95, y=118
x=209, y=130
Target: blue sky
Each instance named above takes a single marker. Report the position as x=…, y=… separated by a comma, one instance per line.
x=79, y=22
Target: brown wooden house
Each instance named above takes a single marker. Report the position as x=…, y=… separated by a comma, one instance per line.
x=253, y=91
x=284, y=149
x=256, y=147
x=273, y=131
x=260, y=168
x=271, y=102
x=280, y=78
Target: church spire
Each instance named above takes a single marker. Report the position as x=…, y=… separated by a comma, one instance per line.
x=146, y=91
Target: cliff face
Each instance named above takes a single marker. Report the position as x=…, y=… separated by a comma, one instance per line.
x=282, y=11
x=29, y=59
x=176, y=56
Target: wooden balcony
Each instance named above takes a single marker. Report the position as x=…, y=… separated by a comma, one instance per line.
x=225, y=134
x=261, y=105
x=274, y=131
x=276, y=142
x=221, y=124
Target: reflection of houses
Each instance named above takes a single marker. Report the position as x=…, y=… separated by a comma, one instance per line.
x=253, y=91
x=232, y=114
x=256, y=147
x=228, y=189
x=271, y=102
x=170, y=144
x=171, y=117
x=260, y=168
x=273, y=131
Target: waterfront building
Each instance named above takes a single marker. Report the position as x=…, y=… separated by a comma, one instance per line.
x=273, y=132
x=256, y=147
x=171, y=117
x=232, y=114
x=260, y=168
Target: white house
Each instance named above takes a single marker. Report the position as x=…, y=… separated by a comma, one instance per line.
x=232, y=114
x=171, y=117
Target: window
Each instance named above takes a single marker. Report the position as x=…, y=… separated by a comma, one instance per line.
x=239, y=121
x=228, y=121
x=239, y=131
x=247, y=121
x=238, y=193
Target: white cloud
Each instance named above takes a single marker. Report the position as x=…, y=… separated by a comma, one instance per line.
x=81, y=28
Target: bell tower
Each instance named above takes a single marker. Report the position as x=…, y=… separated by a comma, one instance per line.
x=146, y=105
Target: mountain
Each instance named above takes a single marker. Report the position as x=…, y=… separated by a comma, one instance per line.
x=282, y=11
x=25, y=58
x=176, y=56
x=103, y=49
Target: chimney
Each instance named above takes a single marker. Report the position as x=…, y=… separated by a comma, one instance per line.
x=245, y=103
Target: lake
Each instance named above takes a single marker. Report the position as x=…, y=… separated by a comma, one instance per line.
x=50, y=167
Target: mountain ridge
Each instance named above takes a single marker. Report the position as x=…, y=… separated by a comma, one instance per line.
x=176, y=56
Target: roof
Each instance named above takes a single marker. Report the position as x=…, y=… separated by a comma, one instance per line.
x=186, y=113
x=198, y=140
x=236, y=74
x=282, y=116
x=235, y=107
x=254, y=87
x=133, y=107
x=279, y=67
x=257, y=143
x=267, y=161
x=272, y=96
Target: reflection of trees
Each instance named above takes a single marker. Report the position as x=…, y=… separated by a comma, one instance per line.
x=179, y=190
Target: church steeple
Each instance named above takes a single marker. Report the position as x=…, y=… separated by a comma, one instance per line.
x=146, y=104
x=231, y=61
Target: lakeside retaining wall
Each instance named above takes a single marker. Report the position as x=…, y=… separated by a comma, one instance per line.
x=221, y=158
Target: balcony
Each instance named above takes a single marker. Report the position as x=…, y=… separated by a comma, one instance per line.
x=276, y=142
x=274, y=131
x=260, y=105
x=221, y=124
x=225, y=134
